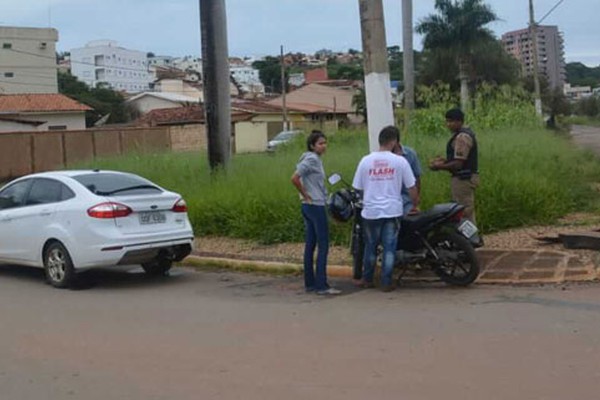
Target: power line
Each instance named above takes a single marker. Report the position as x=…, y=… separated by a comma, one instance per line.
x=82, y=62
x=549, y=12
x=28, y=84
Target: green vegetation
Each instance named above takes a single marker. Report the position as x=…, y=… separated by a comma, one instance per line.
x=456, y=32
x=579, y=74
x=102, y=99
x=529, y=175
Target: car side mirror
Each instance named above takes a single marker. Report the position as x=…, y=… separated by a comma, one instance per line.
x=334, y=178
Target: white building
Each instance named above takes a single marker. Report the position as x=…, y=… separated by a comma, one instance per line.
x=576, y=92
x=103, y=61
x=28, y=60
x=190, y=64
x=248, y=79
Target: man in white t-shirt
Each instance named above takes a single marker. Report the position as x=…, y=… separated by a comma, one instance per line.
x=381, y=176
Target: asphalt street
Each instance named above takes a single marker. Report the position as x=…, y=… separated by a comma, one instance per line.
x=224, y=335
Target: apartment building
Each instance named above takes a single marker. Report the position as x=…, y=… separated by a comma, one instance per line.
x=105, y=62
x=28, y=60
x=551, y=54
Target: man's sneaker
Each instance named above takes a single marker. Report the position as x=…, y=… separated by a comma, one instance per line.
x=330, y=291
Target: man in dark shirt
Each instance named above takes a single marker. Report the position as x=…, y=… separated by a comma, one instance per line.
x=461, y=161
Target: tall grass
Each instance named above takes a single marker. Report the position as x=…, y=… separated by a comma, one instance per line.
x=528, y=175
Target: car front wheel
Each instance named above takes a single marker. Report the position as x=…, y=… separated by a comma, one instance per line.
x=58, y=266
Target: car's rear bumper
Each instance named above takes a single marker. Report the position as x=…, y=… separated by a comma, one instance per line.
x=140, y=250
x=173, y=252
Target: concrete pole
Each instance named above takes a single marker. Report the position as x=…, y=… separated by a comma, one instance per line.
x=534, y=51
x=216, y=80
x=377, y=72
x=286, y=123
x=408, y=62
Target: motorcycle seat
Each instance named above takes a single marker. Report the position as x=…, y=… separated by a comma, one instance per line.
x=435, y=213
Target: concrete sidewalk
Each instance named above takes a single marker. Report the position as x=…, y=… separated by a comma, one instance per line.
x=497, y=266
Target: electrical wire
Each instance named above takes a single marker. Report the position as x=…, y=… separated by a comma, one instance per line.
x=81, y=62
x=549, y=12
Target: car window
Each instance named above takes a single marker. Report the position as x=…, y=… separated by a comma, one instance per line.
x=45, y=191
x=285, y=135
x=107, y=183
x=14, y=195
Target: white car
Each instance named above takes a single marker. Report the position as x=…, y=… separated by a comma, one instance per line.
x=282, y=137
x=68, y=221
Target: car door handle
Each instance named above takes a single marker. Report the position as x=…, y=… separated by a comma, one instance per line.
x=5, y=219
x=45, y=213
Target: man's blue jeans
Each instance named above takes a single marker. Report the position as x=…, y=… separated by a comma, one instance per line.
x=382, y=231
x=316, y=234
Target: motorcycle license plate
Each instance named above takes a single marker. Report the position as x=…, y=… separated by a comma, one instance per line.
x=467, y=228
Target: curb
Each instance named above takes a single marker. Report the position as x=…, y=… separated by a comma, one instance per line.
x=490, y=274
x=273, y=267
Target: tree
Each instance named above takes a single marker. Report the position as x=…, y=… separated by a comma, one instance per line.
x=492, y=64
x=395, y=62
x=359, y=102
x=102, y=99
x=457, y=28
x=579, y=74
x=269, y=72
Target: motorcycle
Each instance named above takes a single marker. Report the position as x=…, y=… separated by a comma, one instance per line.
x=438, y=238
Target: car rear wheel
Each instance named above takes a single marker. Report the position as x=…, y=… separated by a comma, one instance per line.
x=157, y=267
x=58, y=266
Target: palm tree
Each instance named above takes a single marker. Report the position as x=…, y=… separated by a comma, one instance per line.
x=456, y=29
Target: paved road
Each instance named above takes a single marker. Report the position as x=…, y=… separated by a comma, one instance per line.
x=587, y=137
x=222, y=335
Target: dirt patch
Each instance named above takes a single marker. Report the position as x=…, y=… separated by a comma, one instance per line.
x=522, y=238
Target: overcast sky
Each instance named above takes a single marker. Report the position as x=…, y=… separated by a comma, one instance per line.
x=259, y=27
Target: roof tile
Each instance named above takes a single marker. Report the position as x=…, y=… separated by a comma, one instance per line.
x=39, y=102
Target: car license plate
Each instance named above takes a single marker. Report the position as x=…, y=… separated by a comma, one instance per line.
x=467, y=228
x=152, y=217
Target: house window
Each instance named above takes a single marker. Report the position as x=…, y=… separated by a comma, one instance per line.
x=9, y=74
x=7, y=45
x=57, y=128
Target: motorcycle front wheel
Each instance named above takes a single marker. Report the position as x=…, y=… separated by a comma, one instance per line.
x=457, y=262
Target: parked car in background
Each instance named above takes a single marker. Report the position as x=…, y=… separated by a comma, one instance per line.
x=69, y=221
x=282, y=137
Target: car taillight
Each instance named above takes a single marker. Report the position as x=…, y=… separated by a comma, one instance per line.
x=180, y=206
x=109, y=210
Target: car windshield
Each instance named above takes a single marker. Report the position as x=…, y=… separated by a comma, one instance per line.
x=285, y=135
x=107, y=184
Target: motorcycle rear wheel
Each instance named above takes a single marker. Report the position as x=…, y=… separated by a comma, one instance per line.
x=457, y=263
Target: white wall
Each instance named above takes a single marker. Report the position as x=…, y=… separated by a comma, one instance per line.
x=148, y=103
x=250, y=137
x=179, y=87
x=28, y=63
x=70, y=120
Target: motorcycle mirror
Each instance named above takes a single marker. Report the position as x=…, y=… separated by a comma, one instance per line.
x=334, y=178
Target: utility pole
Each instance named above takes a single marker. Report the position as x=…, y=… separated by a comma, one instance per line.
x=408, y=62
x=377, y=71
x=534, y=50
x=216, y=80
x=286, y=124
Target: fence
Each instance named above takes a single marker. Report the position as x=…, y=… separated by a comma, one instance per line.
x=22, y=153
